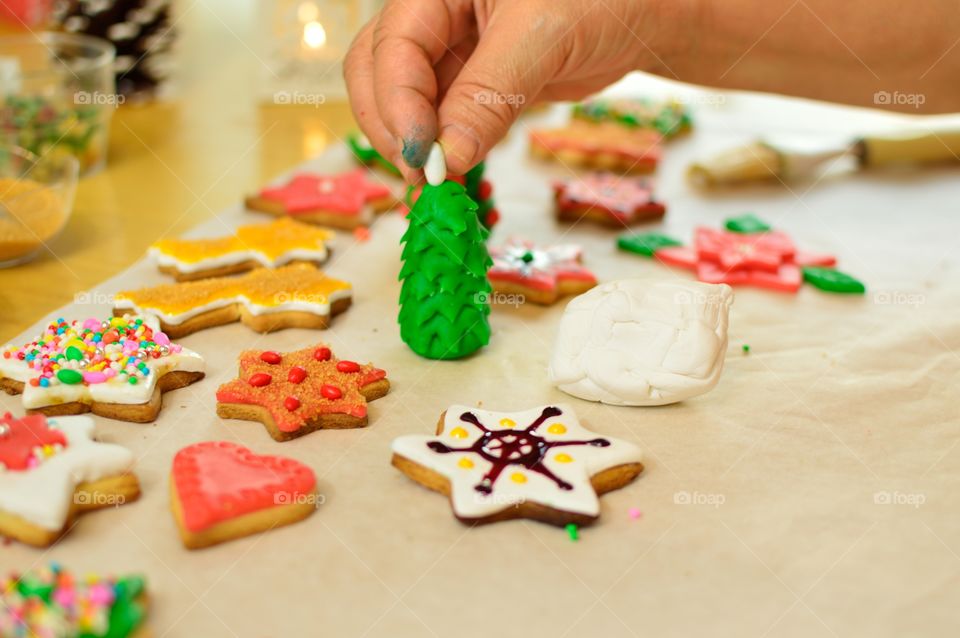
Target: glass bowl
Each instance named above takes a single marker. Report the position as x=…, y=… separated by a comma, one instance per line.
x=36, y=200
x=57, y=95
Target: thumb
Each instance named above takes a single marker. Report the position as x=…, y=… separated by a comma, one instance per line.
x=518, y=53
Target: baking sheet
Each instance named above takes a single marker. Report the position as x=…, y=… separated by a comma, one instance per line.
x=813, y=492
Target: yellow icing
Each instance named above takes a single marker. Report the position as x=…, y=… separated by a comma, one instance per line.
x=273, y=240
x=298, y=283
x=458, y=433
x=517, y=477
x=465, y=463
x=557, y=428
x=563, y=458
x=507, y=423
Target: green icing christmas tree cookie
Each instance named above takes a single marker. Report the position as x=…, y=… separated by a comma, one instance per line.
x=444, y=297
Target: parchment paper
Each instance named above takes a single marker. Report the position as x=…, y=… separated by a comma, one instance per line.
x=812, y=493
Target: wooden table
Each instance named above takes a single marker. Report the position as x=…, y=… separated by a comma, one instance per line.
x=173, y=164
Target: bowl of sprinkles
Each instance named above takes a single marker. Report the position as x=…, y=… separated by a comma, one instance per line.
x=36, y=200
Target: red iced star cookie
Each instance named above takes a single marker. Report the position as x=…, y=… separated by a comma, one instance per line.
x=346, y=200
x=295, y=393
x=25, y=442
x=542, y=275
x=223, y=491
x=608, y=199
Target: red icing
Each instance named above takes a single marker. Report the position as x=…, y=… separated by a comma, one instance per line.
x=20, y=437
x=545, y=271
x=312, y=391
x=766, y=260
x=624, y=198
x=641, y=148
x=217, y=481
x=345, y=194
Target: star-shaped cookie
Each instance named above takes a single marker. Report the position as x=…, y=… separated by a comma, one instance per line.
x=295, y=393
x=541, y=275
x=538, y=463
x=607, y=199
x=51, y=470
x=346, y=200
x=602, y=146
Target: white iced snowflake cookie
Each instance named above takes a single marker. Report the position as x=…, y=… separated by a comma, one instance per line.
x=538, y=463
x=642, y=342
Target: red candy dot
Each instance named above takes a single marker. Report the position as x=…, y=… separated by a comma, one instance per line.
x=6, y=355
x=296, y=374
x=348, y=366
x=493, y=216
x=291, y=403
x=260, y=379
x=34, y=382
x=330, y=391
x=485, y=190
x=270, y=357
x=322, y=354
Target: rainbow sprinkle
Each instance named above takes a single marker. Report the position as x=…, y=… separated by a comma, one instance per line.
x=91, y=352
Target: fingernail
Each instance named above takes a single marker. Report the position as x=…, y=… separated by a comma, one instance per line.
x=460, y=147
x=414, y=149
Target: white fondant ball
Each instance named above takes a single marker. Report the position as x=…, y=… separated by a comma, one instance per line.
x=642, y=342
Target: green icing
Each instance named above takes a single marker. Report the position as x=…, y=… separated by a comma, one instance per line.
x=669, y=118
x=445, y=293
x=832, y=280
x=369, y=156
x=646, y=244
x=748, y=223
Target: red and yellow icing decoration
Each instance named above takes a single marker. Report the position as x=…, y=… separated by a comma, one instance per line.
x=297, y=287
x=27, y=442
x=217, y=481
x=302, y=386
x=271, y=244
x=345, y=194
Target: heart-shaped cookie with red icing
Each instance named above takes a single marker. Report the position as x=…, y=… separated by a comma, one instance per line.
x=221, y=491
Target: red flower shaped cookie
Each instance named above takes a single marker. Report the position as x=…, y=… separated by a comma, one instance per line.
x=222, y=491
x=605, y=146
x=766, y=260
x=347, y=200
x=295, y=393
x=607, y=199
x=541, y=275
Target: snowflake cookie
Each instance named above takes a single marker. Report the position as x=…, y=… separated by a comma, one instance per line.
x=539, y=464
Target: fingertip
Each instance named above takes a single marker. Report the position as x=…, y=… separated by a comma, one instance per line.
x=461, y=148
x=415, y=147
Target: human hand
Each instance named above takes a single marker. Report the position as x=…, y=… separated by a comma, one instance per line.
x=461, y=71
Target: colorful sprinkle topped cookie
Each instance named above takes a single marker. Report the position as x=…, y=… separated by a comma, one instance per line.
x=222, y=491
x=268, y=245
x=539, y=464
x=295, y=393
x=343, y=201
x=116, y=368
x=541, y=275
x=52, y=470
x=604, y=146
x=294, y=296
x=747, y=256
x=54, y=603
x=608, y=199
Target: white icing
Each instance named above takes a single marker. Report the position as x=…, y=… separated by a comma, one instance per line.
x=641, y=342
x=298, y=254
x=294, y=305
x=468, y=503
x=114, y=390
x=435, y=168
x=43, y=495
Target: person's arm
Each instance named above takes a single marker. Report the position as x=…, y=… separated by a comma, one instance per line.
x=461, y=71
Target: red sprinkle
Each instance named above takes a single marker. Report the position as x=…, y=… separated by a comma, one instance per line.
x=260, y=379
x=270, y=357
x=291, y=403
x=485, y=190
x=35, y=382
x=330, y=391
x=348, y=366
x=6, y=355
x=296, y=374
x=322, y=354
